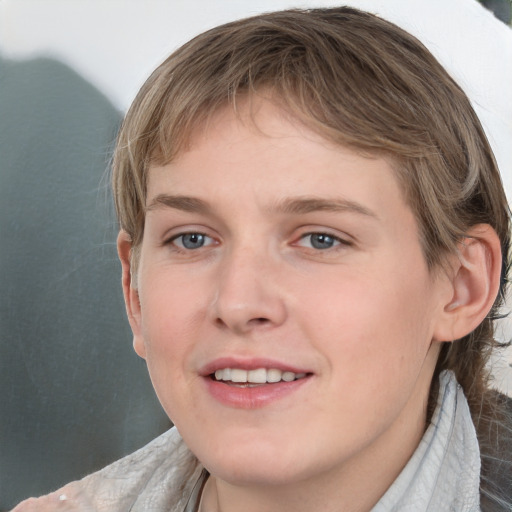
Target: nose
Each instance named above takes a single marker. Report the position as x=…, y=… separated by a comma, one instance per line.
x=248, y=293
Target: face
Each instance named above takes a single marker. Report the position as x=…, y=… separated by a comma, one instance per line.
x=283, y=301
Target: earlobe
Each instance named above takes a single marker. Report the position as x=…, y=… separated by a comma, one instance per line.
x=475, y=283
x=130, y=292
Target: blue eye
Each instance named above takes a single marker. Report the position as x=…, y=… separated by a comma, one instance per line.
x=191, y=241
x=320, y=241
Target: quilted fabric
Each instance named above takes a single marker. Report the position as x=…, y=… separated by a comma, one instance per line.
x=443, y=475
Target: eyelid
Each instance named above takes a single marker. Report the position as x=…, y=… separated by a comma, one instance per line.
x=167, y=234
x=337, y=241
x=182, y=235
x=343, y=239
x=171, y=239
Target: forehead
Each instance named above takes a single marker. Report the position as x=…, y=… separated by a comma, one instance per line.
x=263, y=140
x=262, y=160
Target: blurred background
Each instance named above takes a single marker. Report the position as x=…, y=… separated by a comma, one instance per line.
x=502, y=9
x=74, y=395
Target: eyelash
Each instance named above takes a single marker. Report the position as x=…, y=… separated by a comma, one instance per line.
x=181, y=248
x=336, y=241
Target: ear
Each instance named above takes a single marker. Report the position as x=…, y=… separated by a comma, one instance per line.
x=475, y=281
x=130, y=292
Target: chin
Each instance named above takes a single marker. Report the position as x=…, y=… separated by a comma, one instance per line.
x=260, y=464
x=255, y=473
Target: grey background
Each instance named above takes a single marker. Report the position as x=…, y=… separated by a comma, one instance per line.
x=74, y=395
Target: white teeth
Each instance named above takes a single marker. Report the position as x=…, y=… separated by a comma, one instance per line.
x=238, y=375
x=288, y=376
x=274, y=375
x=223, y=374
x=258, y=376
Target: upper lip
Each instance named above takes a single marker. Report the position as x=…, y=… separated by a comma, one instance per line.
x=248, y=364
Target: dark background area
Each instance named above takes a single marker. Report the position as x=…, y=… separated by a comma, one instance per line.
x=502, y=9
x=74, y=394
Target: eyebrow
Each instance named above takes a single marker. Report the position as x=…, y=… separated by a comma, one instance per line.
x=183, y=203
x=297, y=206
x=304, y=205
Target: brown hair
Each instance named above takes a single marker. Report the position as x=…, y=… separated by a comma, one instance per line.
x=359, y=81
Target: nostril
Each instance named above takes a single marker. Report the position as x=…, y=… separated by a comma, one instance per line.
x=220, y=322
x=260, y=320
x=242, y=326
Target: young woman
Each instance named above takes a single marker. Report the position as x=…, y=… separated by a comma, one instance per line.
x=314, y=241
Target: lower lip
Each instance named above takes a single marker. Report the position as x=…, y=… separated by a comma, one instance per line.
x=252, y=397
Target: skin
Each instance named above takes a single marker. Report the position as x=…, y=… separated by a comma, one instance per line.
x=362, y=316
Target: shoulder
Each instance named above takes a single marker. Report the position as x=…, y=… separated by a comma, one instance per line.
x=164, y=465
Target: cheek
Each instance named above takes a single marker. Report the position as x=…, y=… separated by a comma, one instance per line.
x=370, y=325
x=171, y=306
x=170, y=320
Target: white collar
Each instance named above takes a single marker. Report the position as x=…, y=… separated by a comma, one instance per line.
x=444, y=472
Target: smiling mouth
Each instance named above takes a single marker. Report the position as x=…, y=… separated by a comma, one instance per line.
x=252, y=378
